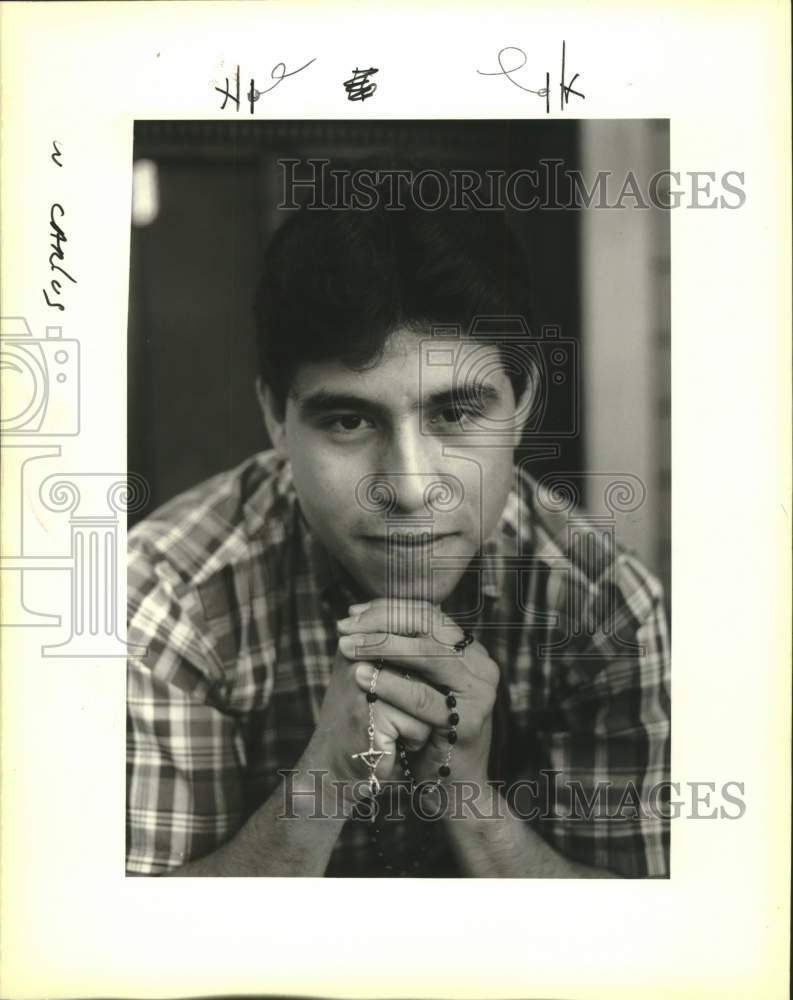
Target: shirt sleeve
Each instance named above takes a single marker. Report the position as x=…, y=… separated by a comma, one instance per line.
x=185, y=753
x=608, y=755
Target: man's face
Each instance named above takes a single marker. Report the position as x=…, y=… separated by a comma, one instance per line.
x=399, y=476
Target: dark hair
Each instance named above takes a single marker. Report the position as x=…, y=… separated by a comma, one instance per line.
x=337, y=282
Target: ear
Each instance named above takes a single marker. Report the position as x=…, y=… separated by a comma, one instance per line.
x=274, y=421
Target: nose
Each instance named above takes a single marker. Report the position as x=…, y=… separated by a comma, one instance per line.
x=410, y=466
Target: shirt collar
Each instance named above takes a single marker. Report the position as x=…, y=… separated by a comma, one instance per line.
x=334, y=583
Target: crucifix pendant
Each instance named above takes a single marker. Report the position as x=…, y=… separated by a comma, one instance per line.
x=372, y=758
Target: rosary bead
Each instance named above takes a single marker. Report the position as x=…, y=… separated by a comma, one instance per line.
x=451, y=701
x=444, y=771
x=444, y=690
x=371, y=696
x=454, y=718
x=451, y=736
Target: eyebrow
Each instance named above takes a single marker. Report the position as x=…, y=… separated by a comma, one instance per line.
x=326, y=401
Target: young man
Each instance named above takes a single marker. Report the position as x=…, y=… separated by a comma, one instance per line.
x=369, y=650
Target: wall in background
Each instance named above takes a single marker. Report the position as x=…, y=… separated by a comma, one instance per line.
x=625, y=323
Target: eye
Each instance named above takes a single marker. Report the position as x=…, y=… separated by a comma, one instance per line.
x=347, y=424
x=455, y=416
x=450, y=415
x=350, y=422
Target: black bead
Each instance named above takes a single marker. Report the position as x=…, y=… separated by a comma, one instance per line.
x=371, y=696
x=467, y=639
x=454, y=718
x=451, y=701
x=451, y=736
x=444, y=690
x=444, y=771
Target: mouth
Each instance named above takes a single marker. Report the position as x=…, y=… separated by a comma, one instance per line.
x=407, y=540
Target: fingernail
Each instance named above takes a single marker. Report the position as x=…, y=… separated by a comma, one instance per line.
x=347, y=645
x=364, y=673
x=347, y=624
x=356, y=609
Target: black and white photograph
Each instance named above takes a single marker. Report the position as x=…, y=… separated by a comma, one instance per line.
x=395, y=500
x=401, y=394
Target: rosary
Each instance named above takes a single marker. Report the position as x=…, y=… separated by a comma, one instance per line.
x=372, y=756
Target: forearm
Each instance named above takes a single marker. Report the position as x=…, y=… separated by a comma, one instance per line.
x=292, y=833
x=490, y=841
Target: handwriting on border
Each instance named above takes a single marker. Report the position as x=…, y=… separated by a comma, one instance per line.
x=58, y=237
x=359, y=87
x=565, y=87
x=278, y=73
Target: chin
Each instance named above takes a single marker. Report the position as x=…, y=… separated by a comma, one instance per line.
x=411, y=590
x=435, y=591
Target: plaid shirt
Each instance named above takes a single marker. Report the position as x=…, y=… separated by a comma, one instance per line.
x=235, y=604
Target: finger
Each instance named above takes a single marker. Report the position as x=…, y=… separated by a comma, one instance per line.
x=412, y=610
x=396, y=724
x=388, y=645
x=417, y=700
x=438, y=664
x=478, y=662
x=421, y=655
x=401, y=617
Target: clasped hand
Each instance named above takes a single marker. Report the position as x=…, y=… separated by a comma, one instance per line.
x=415, y=641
